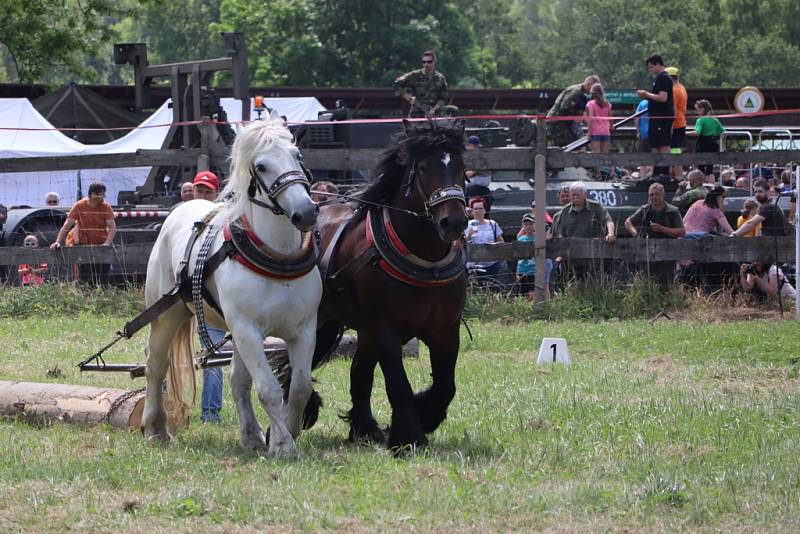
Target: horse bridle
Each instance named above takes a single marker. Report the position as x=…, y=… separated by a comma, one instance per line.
x=280, y=183
x=439, y=196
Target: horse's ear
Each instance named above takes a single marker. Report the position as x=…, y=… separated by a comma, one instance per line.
x=408, y=127
x=273, y=115
x=459, y=125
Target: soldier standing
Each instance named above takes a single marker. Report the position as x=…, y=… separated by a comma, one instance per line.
x=570, y=103
x=424, y=89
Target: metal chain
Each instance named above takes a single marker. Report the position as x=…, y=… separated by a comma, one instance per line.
x=197, y=287
x=119, y=401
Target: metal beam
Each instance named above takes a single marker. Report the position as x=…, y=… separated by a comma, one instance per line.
x=185, y=67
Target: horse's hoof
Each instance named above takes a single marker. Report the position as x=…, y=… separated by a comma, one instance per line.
x=403, y=447
x=368, y=434
x=253, y=443
x=283, y=450
x=156, y=435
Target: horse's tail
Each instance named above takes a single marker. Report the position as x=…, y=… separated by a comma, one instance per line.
x=181, y=386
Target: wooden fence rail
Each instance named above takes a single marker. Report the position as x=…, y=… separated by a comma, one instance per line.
x=133, y=258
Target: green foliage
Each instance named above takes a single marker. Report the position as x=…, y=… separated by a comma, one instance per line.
x=40, y=36
x=505, y=43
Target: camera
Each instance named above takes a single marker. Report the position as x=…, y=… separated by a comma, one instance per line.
x=750, y=269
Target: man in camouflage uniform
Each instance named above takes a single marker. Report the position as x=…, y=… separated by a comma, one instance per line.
x=424, y=89
x=570, y=102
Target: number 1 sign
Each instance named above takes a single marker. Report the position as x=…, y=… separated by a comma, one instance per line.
x=553, y=350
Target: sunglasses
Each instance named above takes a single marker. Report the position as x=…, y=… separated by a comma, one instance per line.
x=52, y=202
x=29, y=245
x=427, y=61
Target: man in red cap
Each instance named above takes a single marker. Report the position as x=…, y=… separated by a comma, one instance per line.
x=206, y=186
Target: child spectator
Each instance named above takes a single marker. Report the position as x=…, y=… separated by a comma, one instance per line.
x=709, y=129
x=750, y=209
x=598, y=109
x=31, y=274
x=526, y=269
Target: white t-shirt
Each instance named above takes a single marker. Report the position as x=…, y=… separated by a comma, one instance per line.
x=488, y=232
x=787, y=291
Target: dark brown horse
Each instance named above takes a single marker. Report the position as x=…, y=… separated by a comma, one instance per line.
x=393, y=270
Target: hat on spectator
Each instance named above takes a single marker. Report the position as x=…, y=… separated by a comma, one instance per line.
x=206, y=178
x=672, y=71
x=527, y=217
x=474, y=140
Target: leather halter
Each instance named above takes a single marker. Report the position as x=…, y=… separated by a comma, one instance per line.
x=438, y=196
x=400, y=263
x=280, y=183
x=262, y=260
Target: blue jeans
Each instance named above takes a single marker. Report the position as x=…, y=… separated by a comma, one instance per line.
x=211, y=401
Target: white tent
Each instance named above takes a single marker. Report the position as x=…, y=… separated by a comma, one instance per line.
x=25, y=133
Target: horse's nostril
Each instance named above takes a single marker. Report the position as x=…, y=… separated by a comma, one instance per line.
x=297, y=218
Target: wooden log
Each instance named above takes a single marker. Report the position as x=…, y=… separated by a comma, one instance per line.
x=79, y=405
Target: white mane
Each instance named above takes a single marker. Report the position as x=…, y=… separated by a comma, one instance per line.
x=253, y=140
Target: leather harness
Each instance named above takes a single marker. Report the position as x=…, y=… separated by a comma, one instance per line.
x=390, y=254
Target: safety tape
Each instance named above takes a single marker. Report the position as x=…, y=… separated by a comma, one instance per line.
x=793, y=111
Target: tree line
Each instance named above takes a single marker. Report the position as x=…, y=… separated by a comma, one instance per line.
x=363, y=43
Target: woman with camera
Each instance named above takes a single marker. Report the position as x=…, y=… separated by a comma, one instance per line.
x=764, y=280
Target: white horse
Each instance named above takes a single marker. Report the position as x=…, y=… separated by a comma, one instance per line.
x=268, y=186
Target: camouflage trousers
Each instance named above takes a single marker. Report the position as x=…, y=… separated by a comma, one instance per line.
x=562, y=133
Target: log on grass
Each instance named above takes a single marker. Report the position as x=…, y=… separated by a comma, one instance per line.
x=81, y=405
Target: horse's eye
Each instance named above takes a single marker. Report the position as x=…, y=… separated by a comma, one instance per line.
x=260, y=168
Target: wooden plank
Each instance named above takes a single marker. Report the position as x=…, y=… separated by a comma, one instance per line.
x=185, y=67
x=558, y=160
x=140, y=158
x=519, y=158
x=709, y=249
x=123, y=255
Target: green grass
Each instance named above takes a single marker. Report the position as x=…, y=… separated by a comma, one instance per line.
x=689, y=426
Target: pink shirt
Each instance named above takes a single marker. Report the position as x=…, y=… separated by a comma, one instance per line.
x=701, y=218
x=599, y=127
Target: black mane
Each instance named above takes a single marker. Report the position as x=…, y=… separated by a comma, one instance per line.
x=407, y=146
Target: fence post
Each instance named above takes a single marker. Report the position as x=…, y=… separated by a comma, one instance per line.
x=540, y=195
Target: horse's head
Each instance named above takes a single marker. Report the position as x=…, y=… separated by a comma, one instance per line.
x=438, y=179
x=435, y=162
x=267, y=172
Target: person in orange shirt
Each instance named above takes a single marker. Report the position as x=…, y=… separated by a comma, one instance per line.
x=680, y=99
x=95, y=220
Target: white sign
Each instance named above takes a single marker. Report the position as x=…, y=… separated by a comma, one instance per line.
x=749, y=100
x=553, y=350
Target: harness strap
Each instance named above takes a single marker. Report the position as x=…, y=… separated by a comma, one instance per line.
x=331, y=249
x=181, y=291
x=198, y=286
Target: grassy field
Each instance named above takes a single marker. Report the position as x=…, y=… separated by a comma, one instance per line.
x=674, y=425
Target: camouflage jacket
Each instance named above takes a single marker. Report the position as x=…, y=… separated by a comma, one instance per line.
x=430, y=90
x=571, y=101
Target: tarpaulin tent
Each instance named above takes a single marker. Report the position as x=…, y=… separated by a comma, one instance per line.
x=24, y=132
x=73, y=106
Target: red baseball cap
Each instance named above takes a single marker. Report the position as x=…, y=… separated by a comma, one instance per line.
x=206, y=178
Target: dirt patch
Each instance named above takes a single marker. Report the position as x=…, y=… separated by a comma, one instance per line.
x=663, y=366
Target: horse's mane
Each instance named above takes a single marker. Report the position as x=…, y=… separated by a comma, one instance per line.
x=409, y=145
x=251, y=141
